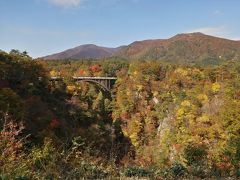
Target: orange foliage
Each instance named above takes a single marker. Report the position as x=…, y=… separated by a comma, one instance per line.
x=125, y=116
x=9, y=138
x=95, y=68
x=81, y=72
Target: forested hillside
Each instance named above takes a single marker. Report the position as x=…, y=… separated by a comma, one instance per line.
x=84, y=51
x=190, y=48
x=162, y=121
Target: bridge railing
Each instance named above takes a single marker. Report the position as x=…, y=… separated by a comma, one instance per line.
x=105, y=82
x=84, y=77
x=94, y=78
x=56, y=78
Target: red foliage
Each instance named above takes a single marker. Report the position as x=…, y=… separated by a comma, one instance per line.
x=177, y=147
x=54, y=123
x=81, y=72
x=225, y=164
x=10, y=141
x=95, y=68
x=125, y=116
x=4, y=84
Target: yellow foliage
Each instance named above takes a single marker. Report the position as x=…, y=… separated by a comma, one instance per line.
x=135, y=72
x=139, y=87
x=203, y=98
x=204, y=118
x=53, y=73
x=190, y=116
x=196, y=71
x=186, y=103
x=155, y=93
x=71, y=89
x=128, y=92
x=135, y=127
x=180, y=113
x=181, y=71
x=134, y=139
x=125, y=133
x=216, y=87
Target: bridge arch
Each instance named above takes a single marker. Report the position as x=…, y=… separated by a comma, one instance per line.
x=99, y=84
x=105, y=83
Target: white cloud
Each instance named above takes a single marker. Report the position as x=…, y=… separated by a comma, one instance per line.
x=66, y=3
x=219, y=31
x=215, y=31
x=236, y=38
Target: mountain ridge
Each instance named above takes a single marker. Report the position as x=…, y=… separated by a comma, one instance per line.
x=185, y=47
x=84, y=51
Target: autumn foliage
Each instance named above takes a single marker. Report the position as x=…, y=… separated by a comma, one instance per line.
x=160, y=121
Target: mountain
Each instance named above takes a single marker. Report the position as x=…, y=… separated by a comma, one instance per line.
x=188, y=48
x=184, y=48
x=85, y=51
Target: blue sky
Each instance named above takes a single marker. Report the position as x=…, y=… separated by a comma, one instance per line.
x=43, y=27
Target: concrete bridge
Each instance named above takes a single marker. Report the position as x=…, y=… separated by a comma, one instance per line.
x=106, y=83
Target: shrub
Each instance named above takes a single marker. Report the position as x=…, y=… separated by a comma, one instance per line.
x=177, y=169
x=195, y=153
x=12, y=156
x=137, y=172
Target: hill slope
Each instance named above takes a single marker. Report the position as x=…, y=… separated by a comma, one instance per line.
x=84, y=51
x=184, y=48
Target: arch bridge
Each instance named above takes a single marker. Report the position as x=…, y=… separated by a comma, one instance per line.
x=106, y=83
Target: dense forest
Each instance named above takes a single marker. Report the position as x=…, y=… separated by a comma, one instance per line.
x=162, y=120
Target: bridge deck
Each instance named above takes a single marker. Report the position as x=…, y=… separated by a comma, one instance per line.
x=95, y=78
x=105, y=82
x=85, y=78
